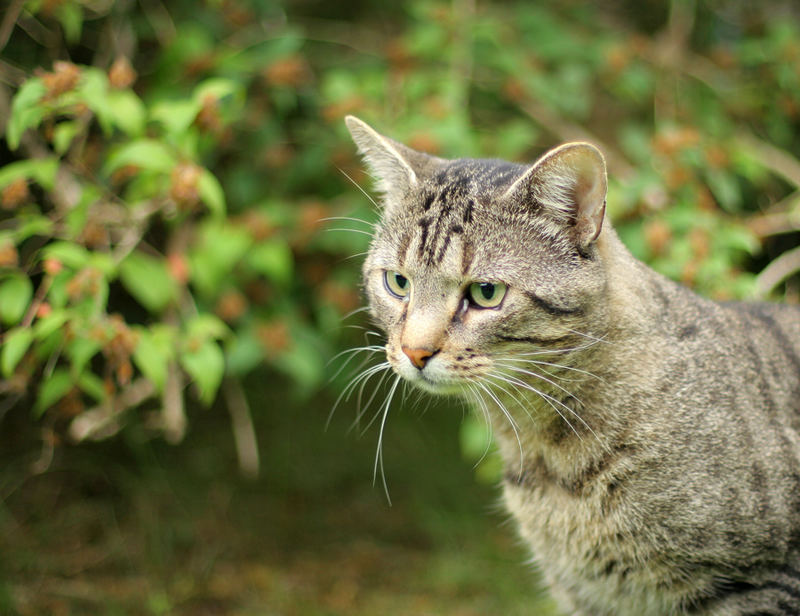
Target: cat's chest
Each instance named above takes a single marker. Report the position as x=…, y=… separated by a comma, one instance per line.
x=591, y=545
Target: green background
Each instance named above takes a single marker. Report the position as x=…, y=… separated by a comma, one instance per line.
x=182, y=219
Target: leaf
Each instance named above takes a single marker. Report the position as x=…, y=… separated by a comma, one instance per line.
x=153, y=353
x=80, y=351
x=47, y=325
x=216, y=88
x=63, y=135
x=26, y=111
x=211, y=193
x=70, y=14
x=143, y=153
x=206, y=326
x=30, y=225
x=93, y=91
x=15, y=345
x=175, y=116
x=42, y=170
x=52, y=389
x=92, y=385
x=221, y=247
x=16, y=292
x=70, y=254
x=127, y=111
x=147, y=279
x=206, y=366
x=272, y=258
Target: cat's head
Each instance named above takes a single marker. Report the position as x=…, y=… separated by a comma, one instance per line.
x=477, y=262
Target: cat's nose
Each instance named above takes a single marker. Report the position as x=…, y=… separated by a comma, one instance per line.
x=419, y=357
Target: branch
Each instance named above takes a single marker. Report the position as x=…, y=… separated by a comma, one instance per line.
x=101, y=421
x=568, y=131
x=776, y=272
x=244, y=433
x=779, y=161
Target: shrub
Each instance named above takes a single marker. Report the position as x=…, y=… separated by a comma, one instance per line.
x=166, y=188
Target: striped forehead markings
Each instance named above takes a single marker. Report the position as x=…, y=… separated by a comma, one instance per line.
x=438, y=227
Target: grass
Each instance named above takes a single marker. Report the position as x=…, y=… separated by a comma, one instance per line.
x=134, y=526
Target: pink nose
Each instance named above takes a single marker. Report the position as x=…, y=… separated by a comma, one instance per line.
x=419, y=357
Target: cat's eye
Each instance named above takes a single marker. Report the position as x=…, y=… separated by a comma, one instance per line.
x=487, y=294
x=397, y=284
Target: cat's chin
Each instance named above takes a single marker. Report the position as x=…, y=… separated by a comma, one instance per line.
x=431, y=384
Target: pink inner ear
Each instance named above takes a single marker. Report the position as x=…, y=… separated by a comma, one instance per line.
x=590, y=194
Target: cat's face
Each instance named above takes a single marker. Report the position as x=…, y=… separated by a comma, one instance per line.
x=471, y=269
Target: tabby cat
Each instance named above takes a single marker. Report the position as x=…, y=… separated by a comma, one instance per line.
x=650, y=437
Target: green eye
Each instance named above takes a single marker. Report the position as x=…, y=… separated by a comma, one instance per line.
x=487, y=294
x=397, y=284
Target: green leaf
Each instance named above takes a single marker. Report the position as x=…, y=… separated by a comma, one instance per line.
x=206, y=326
x=127, y=111
x=47, y=325
x=206, y=366
x=154, y=350
x=147, y=279
x=16, y=292
x=211, y=193
x=16, y=342
x=93, y=91
x=175, y=116
x=244, y=353
x=26, y=111
x=80, y=351
x=217, y=88
x=220, y=248
x=63, y=135
x=30, y=225
x=70, y=254
x=70, y=14
x=52, y=389
x=92, y=385
x=143, y=153
x=42, y=170
x=272, y=258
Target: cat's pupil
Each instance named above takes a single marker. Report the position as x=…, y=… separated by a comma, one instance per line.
x=401, y=281
x=487, y=290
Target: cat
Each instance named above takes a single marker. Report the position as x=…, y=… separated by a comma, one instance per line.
x=650, y=437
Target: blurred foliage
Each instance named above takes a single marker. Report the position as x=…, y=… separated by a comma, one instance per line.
x=169, y=171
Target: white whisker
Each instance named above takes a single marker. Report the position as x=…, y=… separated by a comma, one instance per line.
x=379, y=452
x=364, y=192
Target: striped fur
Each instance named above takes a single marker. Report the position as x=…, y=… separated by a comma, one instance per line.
x=651, y=437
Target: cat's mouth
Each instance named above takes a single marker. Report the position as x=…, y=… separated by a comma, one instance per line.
x=432, y=378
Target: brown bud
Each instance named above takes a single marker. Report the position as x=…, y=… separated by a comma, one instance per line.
x=65, y=77
x=15, y=194
x=9, y=257
x=121, y=74
x=183, y=188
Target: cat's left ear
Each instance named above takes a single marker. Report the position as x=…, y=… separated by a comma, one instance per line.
x=568, y=185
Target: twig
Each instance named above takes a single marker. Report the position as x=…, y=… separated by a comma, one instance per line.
x=9, y=19
x=173, y=414
x=779, y=161
x=778, y=271
x=244, y=433
x=100, y=422
x=780, y=217
x=568, y=131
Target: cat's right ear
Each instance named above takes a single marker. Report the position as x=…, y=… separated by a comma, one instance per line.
x=394, y=165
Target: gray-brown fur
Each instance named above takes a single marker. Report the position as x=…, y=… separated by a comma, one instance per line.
x=656, y=468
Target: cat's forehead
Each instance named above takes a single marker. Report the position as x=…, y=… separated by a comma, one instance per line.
x=474, y=176
x=456, y=225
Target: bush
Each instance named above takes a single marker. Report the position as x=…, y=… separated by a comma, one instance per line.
x=168, y=174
